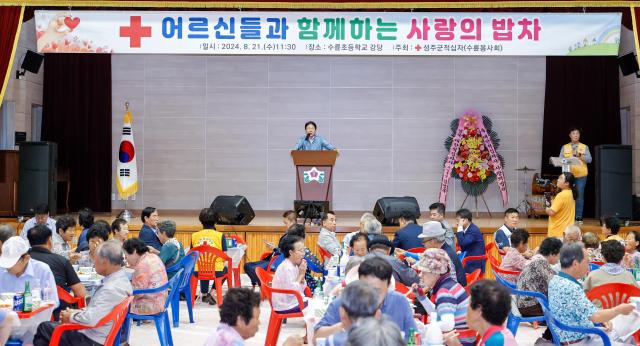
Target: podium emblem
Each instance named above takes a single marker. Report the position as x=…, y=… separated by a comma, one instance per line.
x=313, y=175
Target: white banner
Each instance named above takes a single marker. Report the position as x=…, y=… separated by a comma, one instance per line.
x=328, y=33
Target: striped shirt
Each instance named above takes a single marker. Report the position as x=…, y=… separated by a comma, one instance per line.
x=451, y=298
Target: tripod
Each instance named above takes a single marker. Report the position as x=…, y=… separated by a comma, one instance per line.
x=525, y=206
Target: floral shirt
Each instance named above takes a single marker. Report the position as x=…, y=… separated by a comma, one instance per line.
x=148, y=273
x=633, y=261
x=535, y=277
x=60, y=246
x=569, y=304
x=595, y=255
x=513, y=261
x=286, y=277
x=224, y=335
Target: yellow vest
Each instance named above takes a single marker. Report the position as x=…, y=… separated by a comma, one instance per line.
x=580, y=170
x=212, y=238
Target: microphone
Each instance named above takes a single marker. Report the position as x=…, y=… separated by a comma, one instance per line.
x=308, y=134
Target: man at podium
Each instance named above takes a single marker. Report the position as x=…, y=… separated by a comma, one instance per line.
x=580, y=171
x=312, y=141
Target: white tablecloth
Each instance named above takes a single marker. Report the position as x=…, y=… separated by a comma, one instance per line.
x=28, y=326
x=236, y=254
x=313, y=313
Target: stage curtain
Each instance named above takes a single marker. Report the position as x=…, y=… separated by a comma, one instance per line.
x=77, y=116
x=583, y=92
x=10, y=23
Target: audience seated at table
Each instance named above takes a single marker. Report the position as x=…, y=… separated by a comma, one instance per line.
x=65, y=277
x=6, y=232
x=361, y=229
x=470, y=240
x=213, y=238
x=535, y=277
x=327, y=236
x=240, y=320
x=149, y=231
x=450, y=300
x=489, y=306
x=148, y=272
x=63, y=236
x=377, y=273
x=359, y=244
x=592, y=244
x=313, y=263
x=85, y=219
x=632, y=255
x=436, y=213
x=518, y=254
x=98, y=233
x=172, y=251
x=41, y=217
x=290, y=274
x=120, y=229
x=434, y=237
x=612, y=271
x=381, y=247
x=114, y=289
x=407, y=236
x=6, y=320
x=502, y=236
x=610, y=226
x=17, y=268
x=569, y=304
x=289, y=218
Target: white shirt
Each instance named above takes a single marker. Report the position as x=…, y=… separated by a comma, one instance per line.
x=37, y=273
x=51, y=223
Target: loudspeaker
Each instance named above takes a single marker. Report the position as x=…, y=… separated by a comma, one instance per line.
x=37, y=174
x=233, y=210
x=614, y=184
x=628, y=64
x=388, y=209
x=32, y=62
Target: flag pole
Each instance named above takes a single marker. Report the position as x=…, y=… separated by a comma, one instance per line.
x=125, y=213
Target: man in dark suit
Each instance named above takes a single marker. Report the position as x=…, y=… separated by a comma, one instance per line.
x=149, y=231
x=470, y=239
x=407, y=236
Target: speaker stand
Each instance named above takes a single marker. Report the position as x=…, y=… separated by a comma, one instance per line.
x=476, y=200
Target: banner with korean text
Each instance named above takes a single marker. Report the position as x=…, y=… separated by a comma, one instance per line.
x=328, y=33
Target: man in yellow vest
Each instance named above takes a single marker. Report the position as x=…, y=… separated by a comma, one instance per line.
x=580, y=172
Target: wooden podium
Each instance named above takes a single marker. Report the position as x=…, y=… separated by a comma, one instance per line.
x=314, y=171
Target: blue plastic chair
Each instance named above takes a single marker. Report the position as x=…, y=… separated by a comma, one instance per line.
x=462, y=255
x=551, y=321
x=161, y=319
x=187, y=263
x=13, y=342
x=513, y=321
x=593, y=266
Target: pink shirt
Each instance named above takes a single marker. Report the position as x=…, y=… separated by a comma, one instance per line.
x=513, y=261
x=224, y=335
x=286, y=277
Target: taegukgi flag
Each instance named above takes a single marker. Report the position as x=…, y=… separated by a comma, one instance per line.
x=126, y=171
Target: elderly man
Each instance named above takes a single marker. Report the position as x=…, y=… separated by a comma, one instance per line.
x=572, y=234
x=407, y=236
x=6, y=232
x=376, y=273
x=41, y=218
x=433, y=236
x=18, y=268
x=569, y=304
x=327, y=236
x=115, y=287
x=381, y=247
x=364, y=219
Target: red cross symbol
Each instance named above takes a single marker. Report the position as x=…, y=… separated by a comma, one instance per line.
x=135, y=31
x=418, y=47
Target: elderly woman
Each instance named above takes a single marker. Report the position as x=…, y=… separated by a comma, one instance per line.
x=172, y=251
x=451, y=300
x=611, y=271
x=632, y=255
x=535, y=278
x=313, y=263
x=149, y=272
x=120, y=230
x=592, y=244
x=290, y=274
x=515, y=259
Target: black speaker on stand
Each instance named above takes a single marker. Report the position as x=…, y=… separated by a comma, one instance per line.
x=388, y=209
x=233, y=210
x=38, y=183
x=614, y=181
